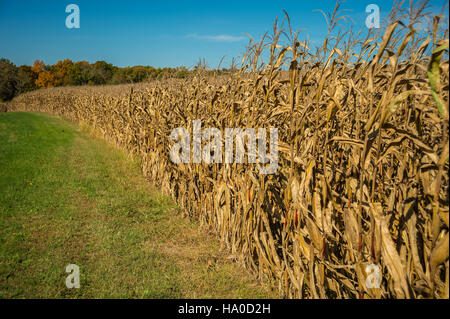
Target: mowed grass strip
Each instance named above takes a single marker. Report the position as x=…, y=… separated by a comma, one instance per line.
x=69, y=198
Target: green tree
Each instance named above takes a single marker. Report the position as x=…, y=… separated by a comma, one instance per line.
x=120, y=76
x=102, y=72
x=26, y=79
x=8, y=79
x=79, y=73
x=139, y=73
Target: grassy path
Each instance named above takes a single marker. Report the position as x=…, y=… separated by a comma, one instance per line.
x=68, y=198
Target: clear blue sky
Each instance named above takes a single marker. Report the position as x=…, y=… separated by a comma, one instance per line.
x=157, y=33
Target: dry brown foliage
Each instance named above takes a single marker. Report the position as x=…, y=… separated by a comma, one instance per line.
x=3, y=107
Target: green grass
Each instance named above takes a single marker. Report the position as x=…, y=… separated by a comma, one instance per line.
x=66, y=197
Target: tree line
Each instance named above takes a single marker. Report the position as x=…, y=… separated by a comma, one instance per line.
x=16, y=80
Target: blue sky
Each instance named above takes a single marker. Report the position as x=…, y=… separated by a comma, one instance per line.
x=158, y=33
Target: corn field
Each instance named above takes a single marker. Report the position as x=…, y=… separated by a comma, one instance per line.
x=363, y=155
